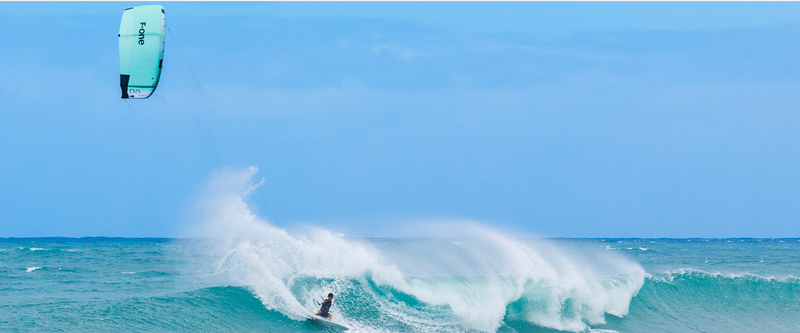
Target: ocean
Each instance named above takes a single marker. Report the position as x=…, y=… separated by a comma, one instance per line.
x=265, y=279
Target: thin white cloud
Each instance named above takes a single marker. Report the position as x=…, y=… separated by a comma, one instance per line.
x=397, y=51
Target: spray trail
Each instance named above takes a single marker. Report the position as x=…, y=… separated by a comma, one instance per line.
x=479, y=282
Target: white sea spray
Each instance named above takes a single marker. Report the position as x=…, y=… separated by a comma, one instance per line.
x=476, y=283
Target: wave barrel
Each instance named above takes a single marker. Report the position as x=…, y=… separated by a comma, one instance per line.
x=141, y=50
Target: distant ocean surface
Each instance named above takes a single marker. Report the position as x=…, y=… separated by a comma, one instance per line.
x=266, y=280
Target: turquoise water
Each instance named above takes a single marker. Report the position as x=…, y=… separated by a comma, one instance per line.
x=269, y=280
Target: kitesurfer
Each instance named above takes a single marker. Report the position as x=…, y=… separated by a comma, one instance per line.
x=326, y=306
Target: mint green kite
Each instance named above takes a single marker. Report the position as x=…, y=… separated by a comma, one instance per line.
x=141, y=50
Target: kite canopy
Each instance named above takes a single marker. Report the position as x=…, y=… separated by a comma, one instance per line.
x=141, y=50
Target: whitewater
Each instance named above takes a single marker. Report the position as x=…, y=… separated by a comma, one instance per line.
x=235, y=271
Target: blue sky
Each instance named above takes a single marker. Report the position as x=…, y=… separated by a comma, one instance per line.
x=554, y=119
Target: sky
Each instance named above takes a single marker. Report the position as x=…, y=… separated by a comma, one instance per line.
x=555, y=119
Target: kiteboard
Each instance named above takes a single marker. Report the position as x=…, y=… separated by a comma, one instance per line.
x=327, y=324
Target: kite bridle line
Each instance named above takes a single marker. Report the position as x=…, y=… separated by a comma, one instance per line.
x=216, y=117
x=149, y=129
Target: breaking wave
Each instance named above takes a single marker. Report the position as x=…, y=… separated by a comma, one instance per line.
x=478, y=282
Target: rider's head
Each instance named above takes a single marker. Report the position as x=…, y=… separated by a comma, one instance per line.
x=330, y=295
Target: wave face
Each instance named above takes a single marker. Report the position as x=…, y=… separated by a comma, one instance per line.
x=697, y=301
x=438, y=286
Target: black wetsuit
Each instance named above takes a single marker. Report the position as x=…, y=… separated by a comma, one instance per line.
x=326, y=305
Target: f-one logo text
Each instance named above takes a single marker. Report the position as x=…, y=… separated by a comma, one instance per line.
x=141, y=33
